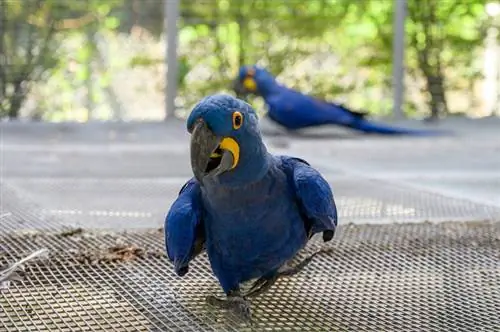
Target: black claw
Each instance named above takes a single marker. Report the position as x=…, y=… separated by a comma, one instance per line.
x=328, y=235
x=182, y=271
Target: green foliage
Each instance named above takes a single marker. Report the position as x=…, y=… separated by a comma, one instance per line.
x=143, y=60
x=26, y=35
x=297, y=41
x=80, y=67
x=30, y=39
x=335, y=49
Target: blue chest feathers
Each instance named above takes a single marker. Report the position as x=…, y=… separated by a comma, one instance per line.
x=252, y=229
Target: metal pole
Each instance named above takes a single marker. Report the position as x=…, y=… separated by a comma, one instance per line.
x=171, y=16
x=89, y=83
x=398, y=57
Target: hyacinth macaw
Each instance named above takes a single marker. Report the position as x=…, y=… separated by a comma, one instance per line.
x=250, y=210
x=294, y=110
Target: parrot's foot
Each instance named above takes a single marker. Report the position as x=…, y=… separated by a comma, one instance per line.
x=234, y=302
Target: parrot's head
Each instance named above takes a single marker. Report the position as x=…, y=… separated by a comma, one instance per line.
x=226, y=143
x=253, y=80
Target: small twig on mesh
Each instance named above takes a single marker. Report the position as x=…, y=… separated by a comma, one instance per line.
x=15, y=272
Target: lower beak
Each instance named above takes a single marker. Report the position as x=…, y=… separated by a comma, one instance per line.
x=208, y=158
x=239, y=89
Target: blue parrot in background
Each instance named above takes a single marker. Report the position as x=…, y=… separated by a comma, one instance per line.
x=250, y=210
x=294, y=110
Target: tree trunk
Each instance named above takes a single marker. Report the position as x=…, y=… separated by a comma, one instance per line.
x=437, y=103
x=429, y=53
x=16, y=101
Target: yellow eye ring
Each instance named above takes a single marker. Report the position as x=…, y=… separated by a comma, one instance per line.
x=237, y=120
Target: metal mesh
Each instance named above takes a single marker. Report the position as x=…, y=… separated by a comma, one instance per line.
x=130, y=203
x=59, y=182
x=411, y=277
x=17, y=213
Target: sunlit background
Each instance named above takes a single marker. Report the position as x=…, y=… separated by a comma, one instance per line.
x=105, y=60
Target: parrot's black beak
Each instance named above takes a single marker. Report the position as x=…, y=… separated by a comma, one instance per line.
x=209, y=157
x=239, y=89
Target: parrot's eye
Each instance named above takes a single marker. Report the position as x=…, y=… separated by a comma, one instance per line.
x=237, y=120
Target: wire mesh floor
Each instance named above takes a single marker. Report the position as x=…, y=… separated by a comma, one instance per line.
x=98, y=205
x=410, y=277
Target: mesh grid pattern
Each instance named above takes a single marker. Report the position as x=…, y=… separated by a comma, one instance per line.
x=386, y=277
x=18, y=213
x=143, y=202
x=411, y=277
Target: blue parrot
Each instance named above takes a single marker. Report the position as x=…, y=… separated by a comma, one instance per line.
x=294, y=110
x=251, y=211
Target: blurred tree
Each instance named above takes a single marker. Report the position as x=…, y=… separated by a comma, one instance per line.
x=30, y=32
x=442, y=39
x=426, y=38
x=26, y=49
x=81, y=76
x=443, y=34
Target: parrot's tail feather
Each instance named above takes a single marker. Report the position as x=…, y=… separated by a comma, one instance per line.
x=293, y=270
x=261, y=286
x=378, y=128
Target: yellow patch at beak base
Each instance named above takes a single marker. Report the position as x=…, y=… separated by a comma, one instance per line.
x=249, y=84
x=232, y=146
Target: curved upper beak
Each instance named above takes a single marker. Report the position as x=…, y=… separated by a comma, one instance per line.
x=209, y=157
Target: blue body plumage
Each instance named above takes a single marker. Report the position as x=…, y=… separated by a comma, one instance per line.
x=251, y=211
x=294, y=110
